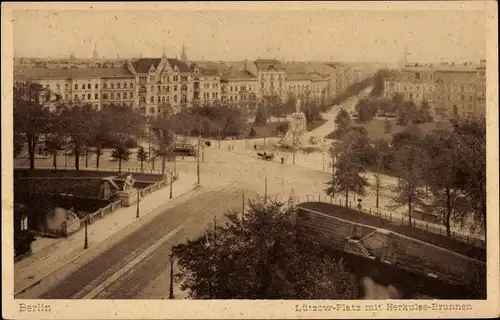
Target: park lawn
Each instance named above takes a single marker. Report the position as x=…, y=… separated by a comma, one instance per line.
x=375, y=128
x=265, y=131
x=378, y=222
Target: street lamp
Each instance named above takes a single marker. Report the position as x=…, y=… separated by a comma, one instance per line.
x=171, y=183
x=86, y=243
x=171, y=291
x=138, y=200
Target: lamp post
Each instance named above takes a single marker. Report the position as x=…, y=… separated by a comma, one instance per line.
x=171, y=183
x=218, y=136
x=138, y=200
x=86, y=243
x=198, y=155
x=293, y=146
x=171, y=290
x=265, y=190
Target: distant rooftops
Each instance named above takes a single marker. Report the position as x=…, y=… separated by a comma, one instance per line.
x=67, y=73
x=143, y=65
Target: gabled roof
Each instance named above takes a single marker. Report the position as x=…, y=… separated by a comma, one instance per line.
x=267, y=64
x=236, y=73
x=181, y=65
x=142, y=65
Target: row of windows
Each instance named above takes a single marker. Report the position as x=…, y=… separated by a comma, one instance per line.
x=167, y=88
x=118, y=85
x=299, y=87
x=163, y=99
x=88, y=86
x=207, y=85
x=87, y=96
x=126, y=95
x=152, y=78
x=206, y=95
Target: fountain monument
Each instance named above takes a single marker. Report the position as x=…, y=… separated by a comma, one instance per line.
x=296, y=128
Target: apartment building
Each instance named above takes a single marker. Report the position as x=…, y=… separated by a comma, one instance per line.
x=298, y=86
x=162, y=84
x=452, y=90
x=239, y=87
x=272, y=78
x=206, y=85
x=118, y=87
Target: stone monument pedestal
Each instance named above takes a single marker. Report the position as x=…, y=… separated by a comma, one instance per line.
x=128, y=197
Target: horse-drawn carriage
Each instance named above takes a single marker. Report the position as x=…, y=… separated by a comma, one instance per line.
x=266, y=156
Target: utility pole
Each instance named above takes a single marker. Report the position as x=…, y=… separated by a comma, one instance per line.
x=243, y=204
x=86, y=243
x=198, y=153
x=138, y=200
x=175, y=155
x=293, y=146
x=171, y=183
x=149, y=141
x=218, y=136
x=265, y=190
x=171, y=291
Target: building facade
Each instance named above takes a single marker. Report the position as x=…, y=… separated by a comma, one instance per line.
x=451, y=90
x=206, y=85
x=162, y=85
x=239, y=88
x=272, y=78
x=298, y=86
x=118, y=87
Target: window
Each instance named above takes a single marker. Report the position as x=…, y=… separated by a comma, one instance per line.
x=168, y=88
x=112, y=85
x=105, y=96
x=168, y=99
x=118, y=85
x=118, y=96
x=58, y=86
x=152, y=110
x=76, y=97
x=124, y=85
x=142, y=100
x=131, y=85
x=83, y=96
x=159, y=88
x=159, y=99
x=163, y=99
x=112, y=95
x=152, y=99
x=176, y=78
x=83, y=86
x=175, y=98
x=124, y=95
x=96, y=96
x=175, y=88
x=97, y=86
x=417, y=76
x=231, y=88
x=131, y=95
x=76, y=86
x=105, y=85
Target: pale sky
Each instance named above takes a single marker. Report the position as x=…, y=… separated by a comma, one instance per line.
x=430, y=36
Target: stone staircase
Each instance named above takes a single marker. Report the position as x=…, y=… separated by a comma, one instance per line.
x=357, y=247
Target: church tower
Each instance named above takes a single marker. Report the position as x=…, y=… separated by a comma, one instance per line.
x=95, y=55
x=183, y=53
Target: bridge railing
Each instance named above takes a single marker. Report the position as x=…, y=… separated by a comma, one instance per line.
x=398, y=218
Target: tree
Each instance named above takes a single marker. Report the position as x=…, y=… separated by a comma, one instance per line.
x=120, y=153
x=266, y=254
x=78, y=122
x=31, y=118
x=261, y=116
x=162, y=128
x=18, y=144
x=406, y=113
x=342, y=121
x=472, y=166
x=252, y=133
x=142, y=156
x=387, y=126
x=348, y=169
x=442, y=172
x=366, y=109
x=407, y=166
x=54, y=144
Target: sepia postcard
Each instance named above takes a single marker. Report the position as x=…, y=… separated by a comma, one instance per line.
x=250, y=160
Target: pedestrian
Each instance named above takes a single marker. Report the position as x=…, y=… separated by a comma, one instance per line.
x=282, y=160
x=255, y=147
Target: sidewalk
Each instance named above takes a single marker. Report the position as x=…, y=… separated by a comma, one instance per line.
x=51, y=254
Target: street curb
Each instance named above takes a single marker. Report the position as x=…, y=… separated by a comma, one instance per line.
x=37, y=282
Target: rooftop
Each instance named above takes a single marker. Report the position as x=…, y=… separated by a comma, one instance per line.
x=71, y=73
